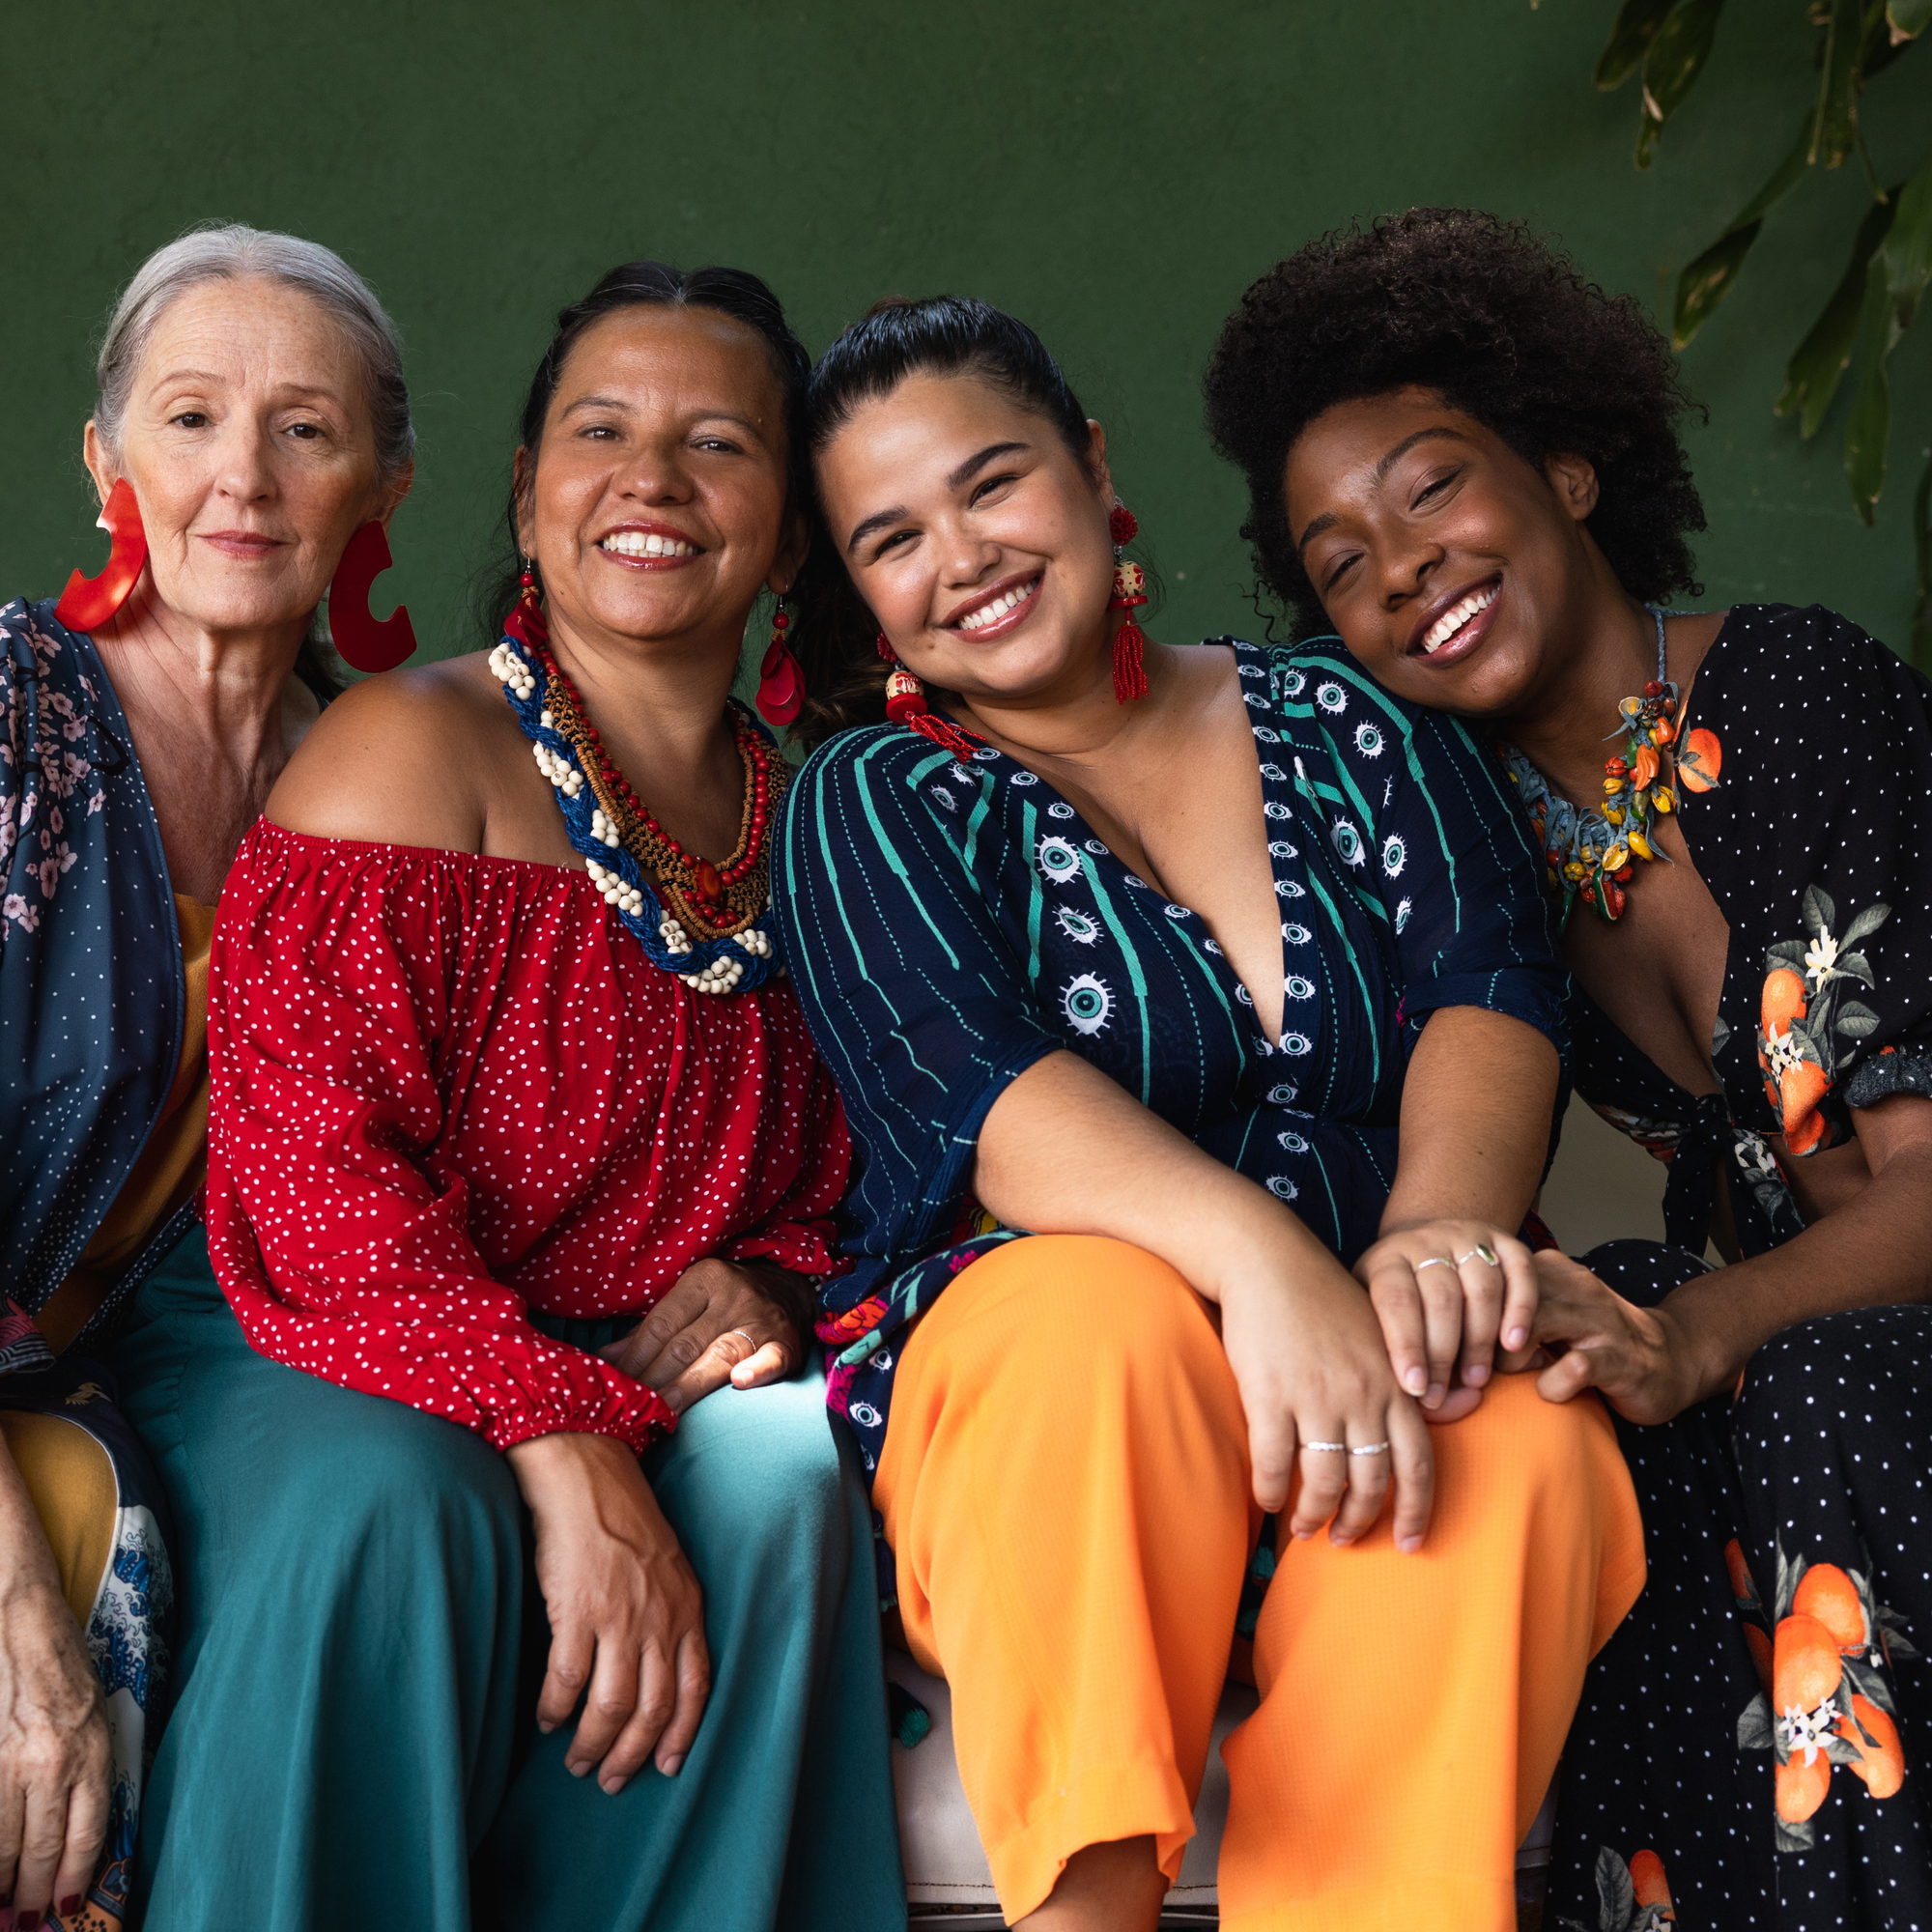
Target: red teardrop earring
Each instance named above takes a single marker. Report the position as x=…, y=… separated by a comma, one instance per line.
x=1129, y=589
x=780, y=682
x=366, y=642
x=905, y=704
x=88, y=602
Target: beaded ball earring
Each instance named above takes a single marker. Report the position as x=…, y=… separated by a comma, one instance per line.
x=1129, y=589
x=905, y=704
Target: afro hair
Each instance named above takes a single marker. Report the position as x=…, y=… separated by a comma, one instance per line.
x=1499, y=324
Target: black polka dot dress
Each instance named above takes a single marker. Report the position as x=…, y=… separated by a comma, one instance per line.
x=1755, y=1743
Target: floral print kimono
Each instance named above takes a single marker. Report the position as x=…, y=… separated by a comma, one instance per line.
x=1753, y=1743
x=91, y=1017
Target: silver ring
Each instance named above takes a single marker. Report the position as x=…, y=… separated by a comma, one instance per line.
x=1370, y=1449
x=1482, y=1251
x=752, y=1342
x=1433, y=1262
x=1329, y=1448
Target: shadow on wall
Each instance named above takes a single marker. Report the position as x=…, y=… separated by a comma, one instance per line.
x=1604, y=1186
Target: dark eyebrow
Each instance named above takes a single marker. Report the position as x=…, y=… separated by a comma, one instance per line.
x=973, y=465
x=1328, y=520
x=965, y=473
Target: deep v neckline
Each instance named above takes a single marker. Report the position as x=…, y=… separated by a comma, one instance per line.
x=1084, y=842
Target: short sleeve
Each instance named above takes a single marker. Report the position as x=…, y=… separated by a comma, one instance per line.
x=915, y=999
x=1474, y=925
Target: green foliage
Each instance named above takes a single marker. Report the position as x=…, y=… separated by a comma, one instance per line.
x=1885, y=279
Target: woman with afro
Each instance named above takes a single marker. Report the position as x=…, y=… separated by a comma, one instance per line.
x=1464, y=458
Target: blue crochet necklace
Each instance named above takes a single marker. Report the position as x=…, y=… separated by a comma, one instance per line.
x=707, y=923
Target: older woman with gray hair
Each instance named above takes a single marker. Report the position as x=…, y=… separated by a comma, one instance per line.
x=252, y=427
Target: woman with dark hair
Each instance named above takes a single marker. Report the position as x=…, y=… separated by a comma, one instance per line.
x=521, y=1159
x=1160, y=986
x=1465, y=458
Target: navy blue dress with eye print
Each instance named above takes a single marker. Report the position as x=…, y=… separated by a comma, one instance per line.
x=950, y=921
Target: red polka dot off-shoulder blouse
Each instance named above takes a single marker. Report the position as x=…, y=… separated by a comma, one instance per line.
x=448, y=1088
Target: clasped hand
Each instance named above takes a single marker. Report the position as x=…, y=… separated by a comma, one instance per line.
x=1449, y=1294
x=743, y=1323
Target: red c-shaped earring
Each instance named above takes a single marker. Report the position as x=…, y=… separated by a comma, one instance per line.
x=367, y=642
x=88, y=602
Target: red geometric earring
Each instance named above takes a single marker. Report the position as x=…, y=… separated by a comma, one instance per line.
x=366, y=642
x=88, y=602
x=1129, y=589
x=781, y=683
x=905, y=704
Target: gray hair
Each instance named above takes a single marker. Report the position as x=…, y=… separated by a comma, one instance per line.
x=221, y=252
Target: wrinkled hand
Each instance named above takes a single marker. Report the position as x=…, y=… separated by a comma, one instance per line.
x=1643, y=1360
x=1443, y=1307
x=55, y=1757
x=626, y=1615
x=1312, y=1368
x=743, y=1323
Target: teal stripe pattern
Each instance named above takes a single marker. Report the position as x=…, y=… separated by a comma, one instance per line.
x=948, y=921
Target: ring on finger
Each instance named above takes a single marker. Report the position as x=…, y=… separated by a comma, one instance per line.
x=1481, y=1252
x=752, y=1342
x=1329, y=1448
x=1433, y=1262
x=1370, y=1449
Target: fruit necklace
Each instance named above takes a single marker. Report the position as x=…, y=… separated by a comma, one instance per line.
x=699, y=921
x=1588, y=850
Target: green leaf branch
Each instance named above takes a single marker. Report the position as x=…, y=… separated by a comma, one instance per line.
x=1878, y=296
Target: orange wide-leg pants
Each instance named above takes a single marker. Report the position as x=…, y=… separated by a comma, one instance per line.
x=1066, y=1486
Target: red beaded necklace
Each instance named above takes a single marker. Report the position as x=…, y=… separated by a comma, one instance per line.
x=713, y=899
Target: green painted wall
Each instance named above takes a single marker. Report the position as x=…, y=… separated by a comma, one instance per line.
x=1116, y=174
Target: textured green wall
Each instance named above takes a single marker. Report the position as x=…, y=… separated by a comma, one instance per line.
x=1116, y=174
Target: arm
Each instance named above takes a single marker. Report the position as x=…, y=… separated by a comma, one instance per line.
x=1301, y=1338
x=1475, y=1132
x=55, y=1758
x=1653, y=1363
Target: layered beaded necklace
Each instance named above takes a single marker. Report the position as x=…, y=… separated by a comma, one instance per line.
x=702, y=922
x=1589, y=849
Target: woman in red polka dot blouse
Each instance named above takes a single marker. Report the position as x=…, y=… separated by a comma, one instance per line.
x=503, y=1063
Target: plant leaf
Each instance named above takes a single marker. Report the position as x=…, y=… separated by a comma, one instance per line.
x=1636, y=25
x=1794, y=1838
x=1707, y=281
x=1615, y=1890
x=1854, y=966
x=1868, y=426
x=1907, y=20
x=1818, y=364
x=1819, y=913
x=1908, y=246
x=1835, y=127
x=1857, y=1022
x=1754, y=1730
x=1670, y=67
x=1869, y=920
x=1786, y=953
x=1921, y=539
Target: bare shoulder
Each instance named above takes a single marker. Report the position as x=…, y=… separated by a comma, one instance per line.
x=404, y=759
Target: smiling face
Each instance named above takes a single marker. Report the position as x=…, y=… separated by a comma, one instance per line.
x=977, y=536
x=1452, y=568
x=252, y=454
x=657, y=505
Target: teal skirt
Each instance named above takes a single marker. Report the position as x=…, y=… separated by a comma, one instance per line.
x=360, y=1639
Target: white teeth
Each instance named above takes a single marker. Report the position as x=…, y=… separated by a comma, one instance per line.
x=987, y=614
x=640, y=543
x=1454, y=619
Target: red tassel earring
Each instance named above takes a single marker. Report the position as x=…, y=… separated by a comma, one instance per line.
x=367, y=643
x=781, y=683
x=905, y=704
x=1129, y=589
x=88, y=602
